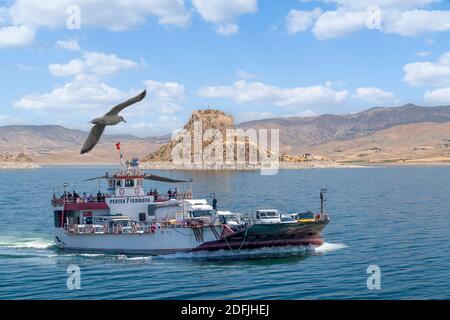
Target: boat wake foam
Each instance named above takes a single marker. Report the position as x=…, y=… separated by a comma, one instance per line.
x=25, y=243
x=287, y=251
x=330, y=247
x=247, y=253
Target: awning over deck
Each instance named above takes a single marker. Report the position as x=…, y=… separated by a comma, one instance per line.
x=86, y=206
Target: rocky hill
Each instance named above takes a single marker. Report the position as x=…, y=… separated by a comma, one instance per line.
x=209, y=119
x=235, y=153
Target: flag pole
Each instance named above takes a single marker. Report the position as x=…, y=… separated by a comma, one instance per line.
x=120, y=154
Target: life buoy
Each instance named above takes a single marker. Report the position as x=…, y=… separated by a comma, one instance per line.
x=137, y=191
x=121, y=191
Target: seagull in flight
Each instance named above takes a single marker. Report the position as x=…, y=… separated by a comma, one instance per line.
x=110, y=118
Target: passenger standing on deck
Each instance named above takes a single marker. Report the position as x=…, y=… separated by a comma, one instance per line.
x=214, y=204
x=155, y=194
x=169, y=193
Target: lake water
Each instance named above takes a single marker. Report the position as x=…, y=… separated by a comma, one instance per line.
x=396, y=218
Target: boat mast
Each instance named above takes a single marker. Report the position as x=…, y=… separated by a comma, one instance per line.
x=322, y=199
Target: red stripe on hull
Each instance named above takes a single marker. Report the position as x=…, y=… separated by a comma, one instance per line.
x=234, y=245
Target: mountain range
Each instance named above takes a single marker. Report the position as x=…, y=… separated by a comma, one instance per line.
x=407, y=133
x=57, y=144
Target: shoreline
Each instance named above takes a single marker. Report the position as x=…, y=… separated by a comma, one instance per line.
x=18, y=165
x=282, y=166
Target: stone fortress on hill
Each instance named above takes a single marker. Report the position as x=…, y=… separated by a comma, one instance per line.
x=210, y=141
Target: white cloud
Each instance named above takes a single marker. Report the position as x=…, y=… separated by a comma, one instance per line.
x=297, y=20
x=24, y=17
x=224, y=12
x=14, y=36
x=374, y=95
x=71, y=45
x=423, y=53
x=227, y=29
x=83, y=92
x=383, y=4
x=414, y=22
x=93, y=63
x=242, y=91
x=165, y=91
x=163, y=99
x=332, y=24
x=438, y=96
x=407, y=18
x=429, y=73
x=220, y=11
x=109, y=14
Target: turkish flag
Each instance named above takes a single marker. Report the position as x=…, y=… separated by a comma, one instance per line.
x=118, y=145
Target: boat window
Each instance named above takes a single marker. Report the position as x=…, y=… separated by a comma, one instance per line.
x=123, y=223
x=201, y=213
x=118, y=183
x=151, y=209
x=129, y=183
x=111, y=183
x=305, y=215
x=142, y=216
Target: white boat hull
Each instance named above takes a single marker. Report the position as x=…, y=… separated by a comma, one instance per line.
x=162, y=241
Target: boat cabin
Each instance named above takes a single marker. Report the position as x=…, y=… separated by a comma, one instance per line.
x=267, y=216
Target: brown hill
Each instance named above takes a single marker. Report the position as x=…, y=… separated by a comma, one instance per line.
x=56, y=144
x=399, y=134
x=302, y=134
x=423, y=142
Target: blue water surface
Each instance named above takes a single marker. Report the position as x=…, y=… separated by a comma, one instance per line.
x=396, y=218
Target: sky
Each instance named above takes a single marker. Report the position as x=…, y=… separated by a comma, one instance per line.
x=66, y=62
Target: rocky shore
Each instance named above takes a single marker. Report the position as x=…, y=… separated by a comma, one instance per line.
x=16, y=161
x=242, y=167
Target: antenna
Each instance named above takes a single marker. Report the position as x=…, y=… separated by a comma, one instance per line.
x=322, y=199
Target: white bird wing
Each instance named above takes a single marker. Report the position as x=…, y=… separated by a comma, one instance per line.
x=92, y=139
x=115, y=110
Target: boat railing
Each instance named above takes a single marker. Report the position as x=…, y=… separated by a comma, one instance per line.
x=58, y=202
x=180, y=196
x=134, y=228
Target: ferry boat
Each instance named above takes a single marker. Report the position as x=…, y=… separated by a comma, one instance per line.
x=128, y=219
